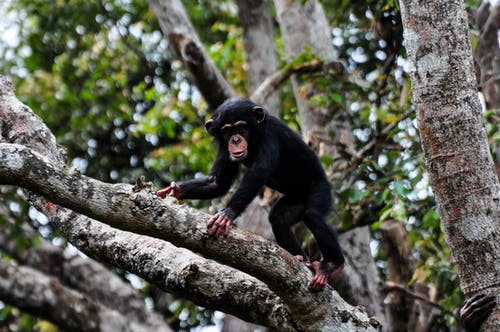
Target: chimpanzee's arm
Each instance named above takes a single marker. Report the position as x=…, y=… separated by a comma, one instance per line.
x=216, y=184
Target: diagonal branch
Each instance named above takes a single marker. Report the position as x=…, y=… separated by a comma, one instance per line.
x=180, y=33
x=45, y=296
x=84, y=275
x=175, y=270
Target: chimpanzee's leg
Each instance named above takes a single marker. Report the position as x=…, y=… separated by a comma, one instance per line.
x=285, y=213
x=317, y=207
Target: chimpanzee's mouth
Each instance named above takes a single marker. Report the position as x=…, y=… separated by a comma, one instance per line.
x=238, y=155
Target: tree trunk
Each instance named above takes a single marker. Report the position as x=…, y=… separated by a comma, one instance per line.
x=306, y=25
x=488, y=59
x=454, y=141
x=396, y=247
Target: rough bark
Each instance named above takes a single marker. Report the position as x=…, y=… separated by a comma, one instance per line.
x=120, y=206
x=138, y=209
x=454, y=141
x=19, y=123
x=176, y=26
x=260, y=48
x=488, y=58
x=361, y=284
x=46, y=297
x=81, y=274
x=176, y=270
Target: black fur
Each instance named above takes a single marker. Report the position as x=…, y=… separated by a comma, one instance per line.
x=280, y=159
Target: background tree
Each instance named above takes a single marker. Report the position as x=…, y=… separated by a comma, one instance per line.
x=454, y=141
x=126, y=98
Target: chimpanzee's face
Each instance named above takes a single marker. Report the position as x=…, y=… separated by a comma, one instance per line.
x=236, y=137
x=236, y=123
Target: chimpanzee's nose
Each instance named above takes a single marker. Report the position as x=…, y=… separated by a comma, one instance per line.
x=236, y=140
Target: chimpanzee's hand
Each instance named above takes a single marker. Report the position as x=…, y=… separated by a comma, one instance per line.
x=174, y=187
x=475, y=311
x=220, y=222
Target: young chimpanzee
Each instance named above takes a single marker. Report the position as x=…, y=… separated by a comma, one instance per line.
x=277, y=157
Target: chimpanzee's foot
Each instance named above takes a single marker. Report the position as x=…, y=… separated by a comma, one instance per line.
x=323, y=272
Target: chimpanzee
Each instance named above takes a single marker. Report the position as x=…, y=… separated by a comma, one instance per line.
x=277, y=157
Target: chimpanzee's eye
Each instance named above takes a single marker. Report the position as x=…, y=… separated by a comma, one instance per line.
x=226, y=131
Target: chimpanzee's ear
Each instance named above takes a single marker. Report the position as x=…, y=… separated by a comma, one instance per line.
x=259, y=113
x=208, y=125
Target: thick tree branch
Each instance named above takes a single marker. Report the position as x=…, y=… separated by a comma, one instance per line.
x=82, y=274
x=175, y=270
x=176, y=26
x=45, y=296
x=122, y=206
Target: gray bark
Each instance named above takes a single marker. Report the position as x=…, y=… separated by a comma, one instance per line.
x=81, y=274
x=361, y=283
x=18, y=123
x=396, y=248
x=46, y=297
x=454, y=141
x=488, y=52
x=177, y=270
x=306, y=25
x=488, y=58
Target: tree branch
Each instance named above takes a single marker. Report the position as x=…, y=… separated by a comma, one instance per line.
x=393, y=286
x=82, y=274
x=45, y=296
x=176, y=26
x=176, y=270
x=127, y=208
